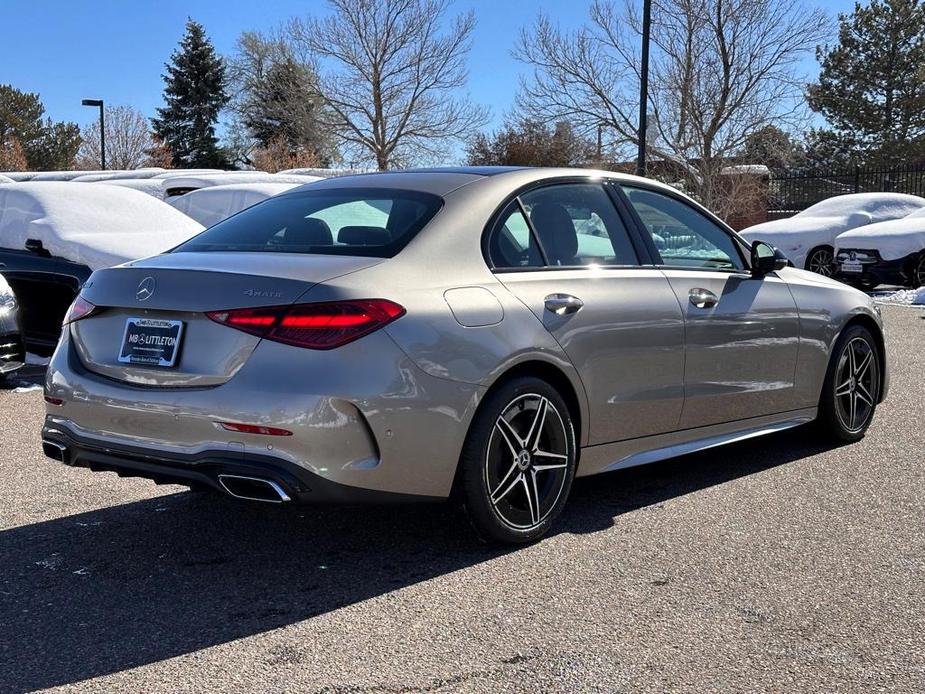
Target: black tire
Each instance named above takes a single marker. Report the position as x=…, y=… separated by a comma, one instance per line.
x=852, y=385
x=917, y=275
x=515, y=478
x=821, y=260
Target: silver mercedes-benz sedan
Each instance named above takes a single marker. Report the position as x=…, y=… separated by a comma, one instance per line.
x=482, y=334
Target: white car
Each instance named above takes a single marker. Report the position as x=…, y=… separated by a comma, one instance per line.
x=211, y=205
x=181, y=185
x=808, y=238
x=886, y=253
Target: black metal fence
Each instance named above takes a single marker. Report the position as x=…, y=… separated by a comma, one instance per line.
x=792, y=191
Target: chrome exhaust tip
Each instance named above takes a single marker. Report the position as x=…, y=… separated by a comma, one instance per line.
x=55, y=451
x=253, y=488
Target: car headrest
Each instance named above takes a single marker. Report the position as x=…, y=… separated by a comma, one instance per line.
x=363, y=236
x=557, y=233
x=309, y=232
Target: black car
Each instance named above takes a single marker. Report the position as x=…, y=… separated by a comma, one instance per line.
x=43, y=287
x=12, y=348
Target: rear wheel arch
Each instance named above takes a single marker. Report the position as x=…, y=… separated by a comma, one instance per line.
x=555, y=377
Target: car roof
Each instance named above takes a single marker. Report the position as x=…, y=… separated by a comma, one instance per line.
x=444, y=180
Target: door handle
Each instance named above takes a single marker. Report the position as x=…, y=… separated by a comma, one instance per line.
x=563, y=304
x=702, y=298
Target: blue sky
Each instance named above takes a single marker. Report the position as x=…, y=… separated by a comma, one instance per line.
x=72, y=49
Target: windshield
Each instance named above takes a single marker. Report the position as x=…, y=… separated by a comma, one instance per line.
x=357, y=221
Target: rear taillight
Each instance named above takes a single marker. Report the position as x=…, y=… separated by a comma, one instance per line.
x=81, y=308
x=315, y=326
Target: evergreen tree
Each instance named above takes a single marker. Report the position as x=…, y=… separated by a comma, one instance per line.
x=772, y=147
x=44, y=143
x=195, y=92
x=871, y=87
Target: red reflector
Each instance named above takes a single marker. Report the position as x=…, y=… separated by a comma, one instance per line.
x=54, y=401
x=323, y=325
x=255, y=429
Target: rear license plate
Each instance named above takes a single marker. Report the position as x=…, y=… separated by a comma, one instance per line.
x=852, y=267
x=151, y=342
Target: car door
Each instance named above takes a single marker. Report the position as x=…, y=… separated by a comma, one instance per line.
x=566, y=253
x=741, y=332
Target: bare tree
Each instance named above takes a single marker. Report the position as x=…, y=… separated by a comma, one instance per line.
x=390, y=76
x=720, y=71
x=128, y=140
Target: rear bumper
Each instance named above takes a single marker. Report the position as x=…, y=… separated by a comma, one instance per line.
x=204, y=469
x=362, y=417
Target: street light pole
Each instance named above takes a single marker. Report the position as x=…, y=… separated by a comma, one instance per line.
x=99, y=103
x=643, y=87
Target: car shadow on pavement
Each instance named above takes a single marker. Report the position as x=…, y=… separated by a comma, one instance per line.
x=100, y=592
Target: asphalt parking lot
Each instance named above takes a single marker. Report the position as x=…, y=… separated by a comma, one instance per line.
x=776, y=564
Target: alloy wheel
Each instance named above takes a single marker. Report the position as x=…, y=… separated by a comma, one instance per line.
x=821, y=262
x=918, y=275
x=526, y=465
x=857, y=381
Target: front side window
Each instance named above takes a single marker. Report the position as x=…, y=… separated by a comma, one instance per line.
x=364, y=222
x=683, y=236
x=577, y=224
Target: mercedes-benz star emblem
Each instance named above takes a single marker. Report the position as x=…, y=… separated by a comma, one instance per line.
x=145, y=289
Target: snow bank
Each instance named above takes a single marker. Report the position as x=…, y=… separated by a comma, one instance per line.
x=820, y=224
x=98, y=225
x=894, y=239
x=907, y=297
x=753, y=169
x=213, y=204
x=6, y=179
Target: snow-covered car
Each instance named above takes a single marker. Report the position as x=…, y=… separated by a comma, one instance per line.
x=181, y=185
x=130, y=174
x=53, y=234
x=151, y=186
x=886, y=253
x=211, y=205
x=808, y=238
x=6, y=179
x=12, y=349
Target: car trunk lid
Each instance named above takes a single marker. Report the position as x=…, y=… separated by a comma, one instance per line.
x=181, y=288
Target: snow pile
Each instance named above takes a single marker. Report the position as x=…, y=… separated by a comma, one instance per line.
x=752, y=169
x=211, y=205
x=98, y=225
x=907, y=297
x=894, y=239
x=820, y=224
x=6, y=179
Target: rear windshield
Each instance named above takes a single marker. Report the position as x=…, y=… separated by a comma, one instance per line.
x=364, y=222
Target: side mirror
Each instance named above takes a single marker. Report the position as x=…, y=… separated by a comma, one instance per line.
x=35, y=246
x=766, y=258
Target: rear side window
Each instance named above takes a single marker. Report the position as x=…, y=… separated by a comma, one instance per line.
x=573, y=224
x=362, y=222
x=577, y=224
